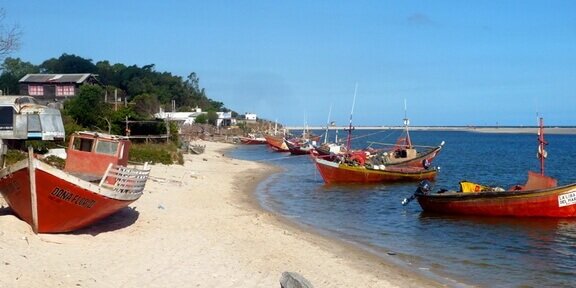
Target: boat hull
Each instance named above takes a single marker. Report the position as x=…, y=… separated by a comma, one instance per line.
x=300, y=149
x=252, y=141
x=334, y=172
x=552, y=202
x=276, y=143
x=53, y=201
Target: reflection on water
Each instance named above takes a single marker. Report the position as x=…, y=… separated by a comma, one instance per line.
x=485, y=251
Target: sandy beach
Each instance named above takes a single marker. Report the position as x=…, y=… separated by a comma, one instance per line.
x=197, y=225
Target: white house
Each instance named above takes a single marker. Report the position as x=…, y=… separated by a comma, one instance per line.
x=250, y=117
x=225, y=119
x=188, y=118
x=180, y=117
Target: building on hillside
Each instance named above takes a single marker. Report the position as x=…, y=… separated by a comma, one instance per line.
x=225, y=119
x=248, y=118
x=251, y=117
x=187, y=118
x=181, y=118
x=48, y=88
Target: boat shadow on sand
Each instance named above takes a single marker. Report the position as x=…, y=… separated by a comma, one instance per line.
x=5, y=210
x=119, y=220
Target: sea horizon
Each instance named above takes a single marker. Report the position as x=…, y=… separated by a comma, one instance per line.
x=480, y=129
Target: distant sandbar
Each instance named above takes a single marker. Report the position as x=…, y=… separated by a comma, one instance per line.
x=479, y=129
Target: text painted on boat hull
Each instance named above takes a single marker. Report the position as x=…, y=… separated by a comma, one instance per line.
x=72, y=198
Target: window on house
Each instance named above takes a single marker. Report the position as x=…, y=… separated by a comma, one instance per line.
x=35, y=90
x=65, y=90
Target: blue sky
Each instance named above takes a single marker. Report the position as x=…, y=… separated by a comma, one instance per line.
x=453, y=62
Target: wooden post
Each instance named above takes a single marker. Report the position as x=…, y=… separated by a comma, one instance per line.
x=33, y=195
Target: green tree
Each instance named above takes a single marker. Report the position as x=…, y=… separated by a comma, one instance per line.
x=201, y=119
x=68, y=64
x=146, y=105
x=88, y=108
x=13, y=69
x=212, y=117
x=18, y=68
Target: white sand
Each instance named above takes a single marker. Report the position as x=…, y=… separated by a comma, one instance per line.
x=197, y=225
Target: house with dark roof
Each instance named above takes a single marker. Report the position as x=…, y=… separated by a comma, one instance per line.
x=48, y=88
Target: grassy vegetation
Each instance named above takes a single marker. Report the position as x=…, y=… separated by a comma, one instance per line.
x=156, y=153
x=13, y=156
x=55, y=161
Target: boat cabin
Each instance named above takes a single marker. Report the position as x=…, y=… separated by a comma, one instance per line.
x=23, y=118
x=89, y=153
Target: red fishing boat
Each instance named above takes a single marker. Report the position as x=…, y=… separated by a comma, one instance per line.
x=94, y=184
x=402, y=162
x=538, y=197
x=342, y=172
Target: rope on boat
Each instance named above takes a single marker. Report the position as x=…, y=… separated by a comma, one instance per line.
x=394, y=144
x=371, y=134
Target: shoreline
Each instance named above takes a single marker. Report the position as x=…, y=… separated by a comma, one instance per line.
x=197, y=225
x=362, y=258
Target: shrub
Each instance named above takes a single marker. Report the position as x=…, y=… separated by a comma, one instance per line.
x=155, y=153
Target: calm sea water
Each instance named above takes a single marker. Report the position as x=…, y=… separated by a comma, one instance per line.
x=478, y=251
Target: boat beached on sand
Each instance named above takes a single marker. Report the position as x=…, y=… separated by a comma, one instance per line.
x=538, y=197
x=95, y=182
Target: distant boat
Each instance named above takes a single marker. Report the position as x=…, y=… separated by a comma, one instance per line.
x=95, y=183
x=276, y=143
x=538, y=197
x=299, y=146
x=253, y=139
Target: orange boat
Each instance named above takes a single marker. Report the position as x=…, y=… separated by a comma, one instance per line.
x=340, y=172
x=539, y=197
x=276, y=142
x=95, y=184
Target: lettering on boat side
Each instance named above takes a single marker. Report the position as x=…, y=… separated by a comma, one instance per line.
x=567, y=199
x=72, y=198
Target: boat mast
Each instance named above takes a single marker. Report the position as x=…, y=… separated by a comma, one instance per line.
x=406, y=123
x=542, y=154
x=351, y=113
x=327, y=125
